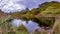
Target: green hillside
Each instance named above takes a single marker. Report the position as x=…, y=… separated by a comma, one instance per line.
x=44, y=15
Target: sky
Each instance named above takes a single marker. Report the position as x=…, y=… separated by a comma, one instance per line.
x=8, y=6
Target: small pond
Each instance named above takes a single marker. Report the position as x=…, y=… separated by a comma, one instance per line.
x=31, y=26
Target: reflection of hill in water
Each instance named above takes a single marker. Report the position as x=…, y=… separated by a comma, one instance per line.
x=31, y=26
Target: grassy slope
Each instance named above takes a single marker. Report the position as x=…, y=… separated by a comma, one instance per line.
x=38, y=14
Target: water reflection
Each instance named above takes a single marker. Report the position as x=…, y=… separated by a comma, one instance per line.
x=31, y=26
x=18, y=22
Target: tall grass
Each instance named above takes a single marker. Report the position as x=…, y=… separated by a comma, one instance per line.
x=56, y=27
x=21, y=30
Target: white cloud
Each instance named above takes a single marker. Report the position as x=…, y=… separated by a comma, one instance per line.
x=10, y=6
x=18, y=5
x=13, y=8
x=54, y=0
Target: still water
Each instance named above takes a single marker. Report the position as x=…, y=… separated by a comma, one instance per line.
x=31, y=26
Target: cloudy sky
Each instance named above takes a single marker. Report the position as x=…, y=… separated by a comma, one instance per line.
x=18, y=5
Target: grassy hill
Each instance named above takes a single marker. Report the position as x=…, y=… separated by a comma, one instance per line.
x=44, y=15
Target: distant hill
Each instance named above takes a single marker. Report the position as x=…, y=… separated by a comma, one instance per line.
x=44, y=14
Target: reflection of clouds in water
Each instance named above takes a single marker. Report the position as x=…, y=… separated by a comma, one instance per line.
x=31, y=26
x=18, y=22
